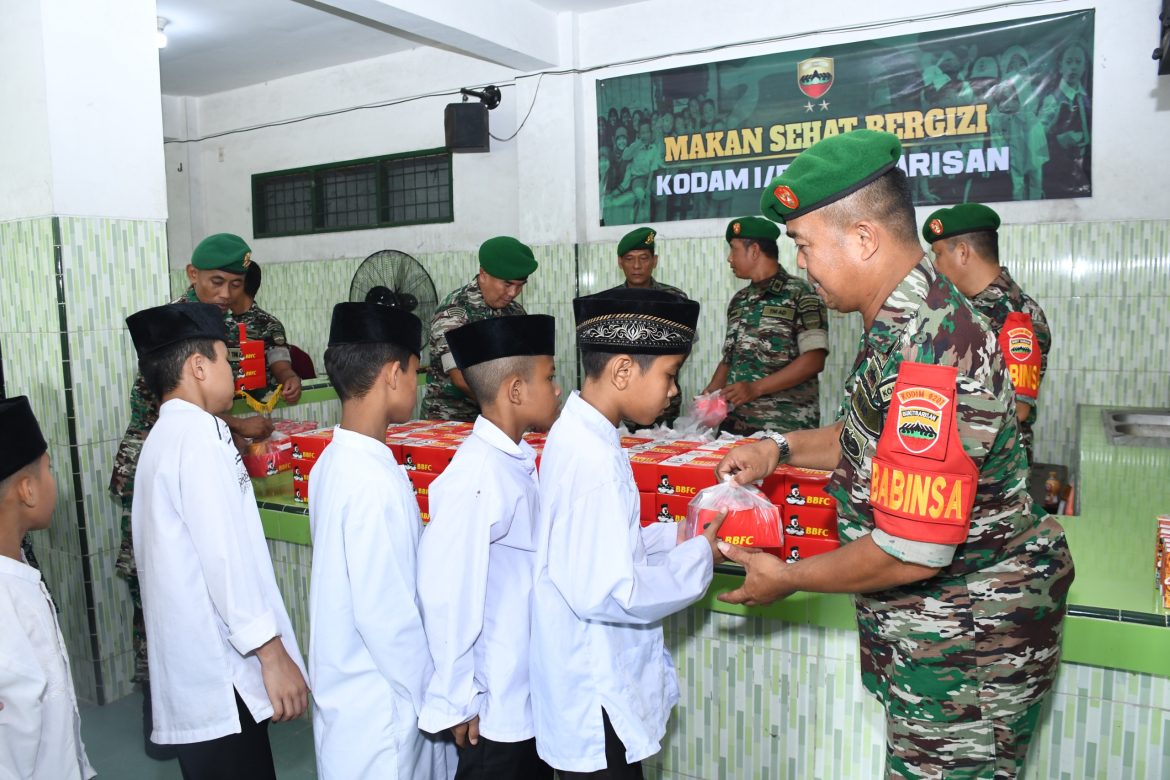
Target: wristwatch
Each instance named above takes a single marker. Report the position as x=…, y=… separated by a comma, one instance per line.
x=781, y=442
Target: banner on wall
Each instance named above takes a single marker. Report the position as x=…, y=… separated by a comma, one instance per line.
x=996, y=112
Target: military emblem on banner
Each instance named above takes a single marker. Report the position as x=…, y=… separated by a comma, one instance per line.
x=920, y=416
x=1020, y=343
x=814, y=76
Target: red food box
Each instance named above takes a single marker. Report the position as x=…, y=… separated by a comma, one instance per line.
x=742, y=528
x=647, y=468
x=428, y=456
x=685, y=474
x=251, y=373
x=657, y=508
x=634, y=441
x=424, y=508
x=268, y=457
x=805, y=506
x=796, y=548
x=421, y=482
x=307, y=447
x=300, y=488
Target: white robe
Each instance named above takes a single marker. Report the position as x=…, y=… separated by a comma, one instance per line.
x=209, y=594
x=476, y=564
x=40, y=729
x=368, y=658
x=603, y=586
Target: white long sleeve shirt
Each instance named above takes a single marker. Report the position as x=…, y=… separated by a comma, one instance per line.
x=603, y=586
x=209, y=595
x=368, y=658
x=40, y=729
x=476, y=564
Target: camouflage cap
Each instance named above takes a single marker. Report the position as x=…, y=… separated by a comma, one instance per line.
x=956, y=220
x=828, y=171
x=506, y=258
x=222, y=252
x=642, y=238
x=752, y=227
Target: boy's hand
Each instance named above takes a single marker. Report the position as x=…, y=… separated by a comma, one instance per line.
x=466, y=733
x=709, y=532
x=283, y=681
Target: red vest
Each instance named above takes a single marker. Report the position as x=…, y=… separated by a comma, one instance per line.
x=1021, y=353
x=923, y=483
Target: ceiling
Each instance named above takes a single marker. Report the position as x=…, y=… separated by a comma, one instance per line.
x=218, y=45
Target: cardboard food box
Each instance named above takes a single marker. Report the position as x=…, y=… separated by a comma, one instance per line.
x=686, y=474
x=647, y=468
x=806, y=508
x=658, y=508
x=429, y=456
x=300, y=488
x=251, y=373
x=743, y=528
x=424, y=508
x=1162, y=562
x=268, y=457
x=421, y=482
x=307, y=447
x=796, y=548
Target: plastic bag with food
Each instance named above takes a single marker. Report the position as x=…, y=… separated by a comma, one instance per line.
x=752, y=520
x=269, y=456
x=709, y=409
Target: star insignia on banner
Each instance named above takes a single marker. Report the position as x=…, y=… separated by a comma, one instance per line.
x=808, y=107
x=824, y=105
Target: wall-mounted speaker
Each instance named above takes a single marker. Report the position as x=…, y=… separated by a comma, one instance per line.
x=466, y=127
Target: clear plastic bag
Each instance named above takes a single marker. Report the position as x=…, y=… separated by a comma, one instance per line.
x=710, y=409
x=267, y=457
x=752, y=520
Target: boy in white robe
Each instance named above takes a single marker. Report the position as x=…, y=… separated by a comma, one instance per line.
x=603, y=683
x=477, y=557
x=223, y=657
x=368, y=658
x=40, y=729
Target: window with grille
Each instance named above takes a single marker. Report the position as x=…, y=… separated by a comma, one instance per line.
x=399, y=189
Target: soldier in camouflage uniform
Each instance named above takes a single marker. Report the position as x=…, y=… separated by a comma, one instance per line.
x=965, y=242
x=504, y=267
x=262, y=325
x=777, y=338
x=637, y=258
x=960, y=582
x=216, y=274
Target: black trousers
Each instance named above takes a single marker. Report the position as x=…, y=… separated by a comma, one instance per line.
x=616, y=767
x=243, y=756
x=490, y=760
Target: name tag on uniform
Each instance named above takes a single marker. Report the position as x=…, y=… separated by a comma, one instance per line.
x=783, y=312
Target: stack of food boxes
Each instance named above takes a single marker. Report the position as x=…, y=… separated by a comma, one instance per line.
x=252, y=374
x=668, y=474
x=1162, y=560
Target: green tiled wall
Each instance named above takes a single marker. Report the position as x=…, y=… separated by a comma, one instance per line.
x=761, y=698
x=109, y=268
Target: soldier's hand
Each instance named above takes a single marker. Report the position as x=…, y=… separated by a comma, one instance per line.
x=764, y=582
x=740, y=393
x=749, y=462
x=255, y=428
x=291, y=389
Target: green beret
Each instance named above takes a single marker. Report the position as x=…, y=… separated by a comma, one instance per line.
x=752, y=227
x=222, y=252
x=829, y=170
x=642, y=238
x=963, y=218
x=506, y=258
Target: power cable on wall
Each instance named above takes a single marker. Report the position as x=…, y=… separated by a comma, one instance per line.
x=864, y=26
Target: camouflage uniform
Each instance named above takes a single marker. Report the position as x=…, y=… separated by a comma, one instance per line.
x=1000, y=298
x=961, y=661
x=770, y=324
x=143, y=414
x=443, y=400
x=675, y=408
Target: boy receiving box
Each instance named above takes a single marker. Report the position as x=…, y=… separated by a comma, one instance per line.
x=477, y=558
x=603, y=683
x=223, y=657
x=40, y=729
x=368, y=658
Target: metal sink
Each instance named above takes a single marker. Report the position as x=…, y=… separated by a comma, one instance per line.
x=1138, y=427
